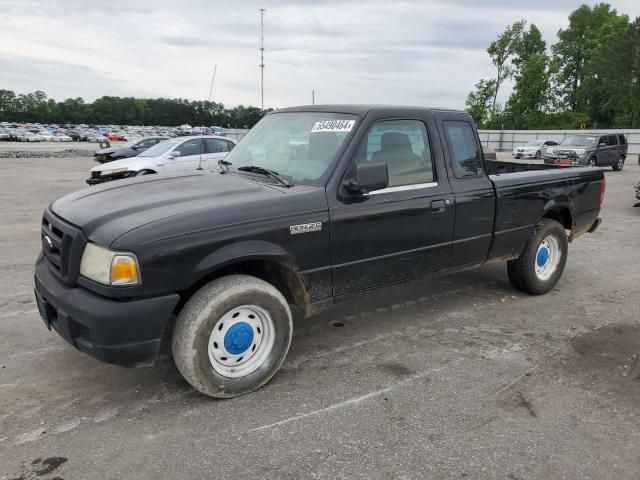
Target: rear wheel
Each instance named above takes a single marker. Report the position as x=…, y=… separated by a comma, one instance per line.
x=232, y=336
x=542, y=261
x=619, y=165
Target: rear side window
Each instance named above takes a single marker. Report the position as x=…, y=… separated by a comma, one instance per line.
x=216, y=145
x=622, y=139
x=464, y=149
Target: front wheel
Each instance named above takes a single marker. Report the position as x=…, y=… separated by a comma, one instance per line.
x=592, y=162
x=619, y=165
x=232, y=336
x=538, y=155
x=542, y=261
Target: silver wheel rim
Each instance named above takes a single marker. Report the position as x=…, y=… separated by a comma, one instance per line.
x=241, y=341
x=547, y=257
x=592, y=163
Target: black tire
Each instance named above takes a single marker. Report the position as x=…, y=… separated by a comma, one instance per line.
x=202, y=312
x=592, y=162
x=522, y=271
x=144, y=172
x=619, y=165
x=538, y=155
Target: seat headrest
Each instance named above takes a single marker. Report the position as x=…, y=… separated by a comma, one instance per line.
x=395, y=141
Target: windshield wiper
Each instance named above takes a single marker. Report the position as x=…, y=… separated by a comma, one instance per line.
x=266, y=172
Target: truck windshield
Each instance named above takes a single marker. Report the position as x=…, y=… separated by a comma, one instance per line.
x=579, y=141
x=299, y=146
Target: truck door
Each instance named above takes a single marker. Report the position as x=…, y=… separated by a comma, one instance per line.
x=473, y=190
x=399, y=232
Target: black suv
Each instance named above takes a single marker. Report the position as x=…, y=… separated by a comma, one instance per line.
x=594, y=149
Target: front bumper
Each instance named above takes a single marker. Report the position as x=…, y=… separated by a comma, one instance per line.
x=126, y=333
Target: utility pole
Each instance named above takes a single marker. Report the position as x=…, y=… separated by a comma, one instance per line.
x=313, y=97
x=262, y=10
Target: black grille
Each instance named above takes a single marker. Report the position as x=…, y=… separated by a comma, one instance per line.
x=62, y=247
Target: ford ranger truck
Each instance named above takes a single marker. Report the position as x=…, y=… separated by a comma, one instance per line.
x=314, y=206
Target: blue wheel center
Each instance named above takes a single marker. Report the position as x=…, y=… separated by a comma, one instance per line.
x=542, y=257
x=238, y=338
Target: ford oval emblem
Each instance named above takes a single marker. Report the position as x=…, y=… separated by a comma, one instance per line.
x=48, y=241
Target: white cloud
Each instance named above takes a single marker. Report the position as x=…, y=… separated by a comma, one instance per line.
x=409, y=52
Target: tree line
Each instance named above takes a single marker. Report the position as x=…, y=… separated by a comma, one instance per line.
x=37, y=107
x=590, y=77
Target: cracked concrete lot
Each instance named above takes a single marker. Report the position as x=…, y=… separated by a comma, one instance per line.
x=456, y=376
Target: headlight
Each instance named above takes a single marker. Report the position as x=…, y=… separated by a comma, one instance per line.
x=580, y=151
x=109, y=268
x=114, y=170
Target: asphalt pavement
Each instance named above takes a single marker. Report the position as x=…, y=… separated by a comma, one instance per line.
x=457, y=376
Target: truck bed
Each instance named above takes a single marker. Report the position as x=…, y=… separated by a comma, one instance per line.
x=499, y=167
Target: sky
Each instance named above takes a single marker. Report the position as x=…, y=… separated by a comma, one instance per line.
x=421, y=52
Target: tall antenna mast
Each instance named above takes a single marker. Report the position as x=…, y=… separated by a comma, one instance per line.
x=213, y=79
x=262, y=10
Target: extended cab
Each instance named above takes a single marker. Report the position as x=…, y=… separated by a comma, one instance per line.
x=314, y=205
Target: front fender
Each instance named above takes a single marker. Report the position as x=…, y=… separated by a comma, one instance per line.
x=243, y=251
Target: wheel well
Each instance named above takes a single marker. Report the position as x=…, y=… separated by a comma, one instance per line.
x=283, y=277
x=561, y=215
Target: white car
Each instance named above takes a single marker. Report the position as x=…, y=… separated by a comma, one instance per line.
x=169, y=156
x=61, y=137
x=47, y=137
x=532, y=149
x=30, y=137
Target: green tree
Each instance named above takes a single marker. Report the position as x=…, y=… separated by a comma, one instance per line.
x=590, y=28
x=478, y=102
x=531, y=73
x=501, y=52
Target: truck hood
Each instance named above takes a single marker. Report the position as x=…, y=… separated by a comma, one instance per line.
x=106, y=212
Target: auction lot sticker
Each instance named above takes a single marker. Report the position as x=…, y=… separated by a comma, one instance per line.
x=333, y=126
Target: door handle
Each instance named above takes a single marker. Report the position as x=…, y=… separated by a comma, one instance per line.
x=438, y=206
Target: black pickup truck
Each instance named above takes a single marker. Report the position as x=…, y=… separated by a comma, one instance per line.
x=314, y=205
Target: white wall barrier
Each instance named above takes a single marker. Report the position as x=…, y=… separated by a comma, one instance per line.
x=507, y=140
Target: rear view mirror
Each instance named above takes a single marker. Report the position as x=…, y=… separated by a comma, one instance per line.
x=369, y=177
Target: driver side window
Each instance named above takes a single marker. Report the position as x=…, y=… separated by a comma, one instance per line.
x=404, y=146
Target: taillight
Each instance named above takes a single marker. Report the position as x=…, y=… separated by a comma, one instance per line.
x=603, y=185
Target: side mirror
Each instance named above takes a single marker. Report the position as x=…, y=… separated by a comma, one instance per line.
x=369, y=177
x=174, y=154
x=602, y=144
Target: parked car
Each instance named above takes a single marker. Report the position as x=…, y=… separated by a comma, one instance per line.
x=115, y=137
x=96, y=138
x=638, y=190
x=46, y=136
x=61, y=137
x=169, y=156
x=30, y=137
x=129, y=149
x=5, y=136
x=532, y=149
x=378, y=195
x=596, y=150
x=75, y=135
